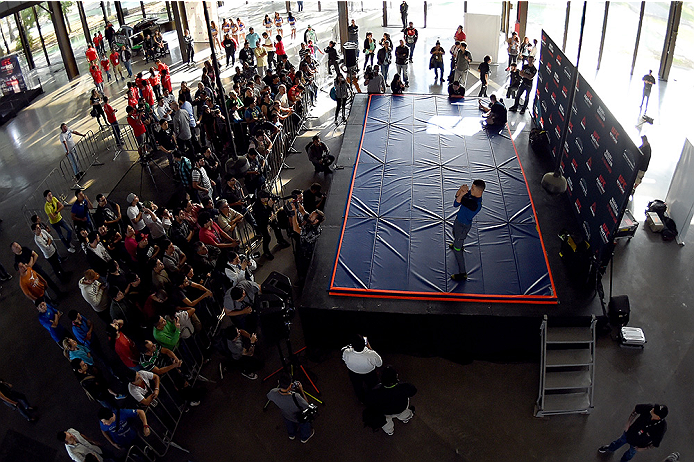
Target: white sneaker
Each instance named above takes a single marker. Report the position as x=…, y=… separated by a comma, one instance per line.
x=251, y=375
x=72, y=249
x=194, y=403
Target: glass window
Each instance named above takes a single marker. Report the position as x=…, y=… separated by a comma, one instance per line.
x=652, y=37
x=622, y=23
x=591, y=35
x=547, y=16
x=683, y=59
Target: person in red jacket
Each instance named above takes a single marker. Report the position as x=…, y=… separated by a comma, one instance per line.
x=154, y=82
x=111, y=117
x=138, y=81
x=160, y=65
x=91, y=55
x=166, y=80
x=133, y=95
x=106, y=66
x=138, y=127
x=148, y=93
x=117, y=66
x=98, y=78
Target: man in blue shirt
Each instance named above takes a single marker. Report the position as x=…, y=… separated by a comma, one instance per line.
x=117, y=428
x=252, y=38
x=469, y=201
x=82, y=328
x=49, y=318
x=80, y=211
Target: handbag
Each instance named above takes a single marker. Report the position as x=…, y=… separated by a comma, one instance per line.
x=305, y=415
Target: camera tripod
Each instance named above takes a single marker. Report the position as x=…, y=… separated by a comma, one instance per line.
x=146, y=162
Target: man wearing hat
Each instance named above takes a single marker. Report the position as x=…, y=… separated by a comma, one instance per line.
x=135, y=213
x=644, y=430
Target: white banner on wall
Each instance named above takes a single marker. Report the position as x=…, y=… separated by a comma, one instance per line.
x=196, y=19
x=680, y=196
x=482, y=35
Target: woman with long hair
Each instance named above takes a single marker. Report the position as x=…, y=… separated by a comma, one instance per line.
x=267, y=22
x=292, y=24
x=396, y=86
x=97, y=110
x=278, y=24
x=242, y=30
x=215, y=35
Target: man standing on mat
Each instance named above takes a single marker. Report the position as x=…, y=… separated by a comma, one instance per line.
x=471, y=201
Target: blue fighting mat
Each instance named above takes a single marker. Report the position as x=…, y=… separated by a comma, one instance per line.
x=416, y=151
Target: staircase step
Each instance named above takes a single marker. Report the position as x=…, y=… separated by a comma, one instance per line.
x=569, y=335
x=574, y=357
x=562, y=380
x=566, y=403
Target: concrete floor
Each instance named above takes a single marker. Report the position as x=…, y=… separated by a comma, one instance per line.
x=465, y=412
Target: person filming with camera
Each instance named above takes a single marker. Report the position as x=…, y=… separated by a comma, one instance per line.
x=290, y=398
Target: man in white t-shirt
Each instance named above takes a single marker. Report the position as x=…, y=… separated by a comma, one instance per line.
x=69, y=145
x=361, y=361
x=201, y=182
x=144, y=387
x=44, y=241
x=78, y=445
x=135, y=213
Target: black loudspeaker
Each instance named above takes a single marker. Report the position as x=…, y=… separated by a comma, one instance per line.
x=618, y=310
x=350, y=57
x=273, y=318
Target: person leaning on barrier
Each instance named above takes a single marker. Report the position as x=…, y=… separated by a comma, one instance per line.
x=118, y=427
x=79, y=446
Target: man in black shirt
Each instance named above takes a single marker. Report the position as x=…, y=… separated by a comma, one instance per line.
x=648, y=82
x=314, y=199
x=353, y=33
x=527, y=74
x=495, y=112
x=644, y=430
x=166, y=141
x=331, y=51
x=643, y=162
x=514, y=81
x=456, y=89
x=107, y=213
x=392, y=398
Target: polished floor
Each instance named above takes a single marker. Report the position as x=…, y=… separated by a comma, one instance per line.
x=465, y=412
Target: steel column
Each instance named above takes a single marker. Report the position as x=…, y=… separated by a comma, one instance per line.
x=43, y=43
x=119, y=13
x=604, y=30
x=103, y=10
x=26, y=46
x=638, y=37
x=566, y=26
x=342, y=21
x=670, y=40
x=180, y=31
x=85, y=26
x=63, y=40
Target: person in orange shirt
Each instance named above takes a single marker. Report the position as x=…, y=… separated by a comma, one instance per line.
x=31, y=283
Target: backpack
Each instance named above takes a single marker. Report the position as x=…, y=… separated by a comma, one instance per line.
x=669, y=232
x=658, y=207
x=333, y=94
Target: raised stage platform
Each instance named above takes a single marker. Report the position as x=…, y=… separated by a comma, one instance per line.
x=382, y=265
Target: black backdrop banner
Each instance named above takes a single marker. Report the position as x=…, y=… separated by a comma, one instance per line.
x=600, y=167
x=599, y=160
x=550, y=107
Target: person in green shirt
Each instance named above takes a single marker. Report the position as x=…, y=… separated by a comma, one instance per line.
x=52, y=207
x=167, y=333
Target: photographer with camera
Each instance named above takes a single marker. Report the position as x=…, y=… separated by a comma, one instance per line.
x=319, y=155
x=238, y=355
x=232, y=192
x=307, y=227
x=314, y=198
x=264, y=210
x=290, y=398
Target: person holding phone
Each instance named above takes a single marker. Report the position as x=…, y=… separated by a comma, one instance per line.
x=361, y=361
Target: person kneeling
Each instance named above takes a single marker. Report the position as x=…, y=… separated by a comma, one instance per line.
x=495, y=113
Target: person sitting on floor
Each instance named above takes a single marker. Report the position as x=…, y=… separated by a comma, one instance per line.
x=495, y=113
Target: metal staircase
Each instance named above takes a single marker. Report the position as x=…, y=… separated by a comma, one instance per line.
x=567, y=373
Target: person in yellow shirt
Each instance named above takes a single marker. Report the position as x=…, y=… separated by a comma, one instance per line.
x=52, y=208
